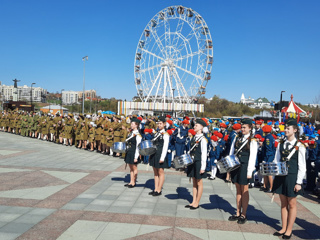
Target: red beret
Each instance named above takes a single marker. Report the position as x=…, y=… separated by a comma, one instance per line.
x=170, y=131
x=262, y=139
x=258, y=136
x=185, y=122
x=236, y=126
x=223, y=125
x=267, y=128
x=319, y=132
x=276, y=144
x=140, y=118
x=192, y=132
x=147, y=130
x=186, y=117
x=214, y=138
x=218, y=134
x=259, y=122
x=170, y=122
x=205, y=120
x=168, y=116
x=226, y=137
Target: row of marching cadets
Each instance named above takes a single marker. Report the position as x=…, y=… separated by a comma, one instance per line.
x=288, y=154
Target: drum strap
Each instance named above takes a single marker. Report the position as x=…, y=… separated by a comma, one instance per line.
x=132, y=136
x=293, y=151
x=244, y=143
x=196, y=145
x=159, y=134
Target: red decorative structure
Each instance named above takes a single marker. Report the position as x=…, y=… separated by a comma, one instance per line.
x=292, y=110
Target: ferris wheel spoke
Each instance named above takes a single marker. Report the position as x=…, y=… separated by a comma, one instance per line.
x=189, y=72
x=182, y=93
x=159, y=43
x=167, y=33
x=149, y=68
x=153, y=54
x=159, y=76
x=178, y=32
x=187, y=39
x=188, y=56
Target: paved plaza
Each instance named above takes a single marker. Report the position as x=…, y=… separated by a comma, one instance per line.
x=51, y=191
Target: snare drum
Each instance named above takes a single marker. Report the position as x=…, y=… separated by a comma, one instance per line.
x=273, y=169
x=119, y=147
x=228, y=164
x=182, y=161
x=147, y=148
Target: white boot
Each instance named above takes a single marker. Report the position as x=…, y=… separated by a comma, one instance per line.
x=213, y=172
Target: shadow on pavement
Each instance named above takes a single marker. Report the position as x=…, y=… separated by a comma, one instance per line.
x=149, y=184
x=182, y=193
x=126, y=179
x=310, y=230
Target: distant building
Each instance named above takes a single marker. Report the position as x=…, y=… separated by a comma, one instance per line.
x=262, y=103
x=70, y=97
x=89, y=94
x=22, y=93
x=258, y=103
x=54, y=109
x=246, y=101
x=314, y=105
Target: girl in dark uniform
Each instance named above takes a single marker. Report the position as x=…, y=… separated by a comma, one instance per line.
x=288, y=187
x=159, y=160
x=246, y=150
x=132, y=154
x=196, y=171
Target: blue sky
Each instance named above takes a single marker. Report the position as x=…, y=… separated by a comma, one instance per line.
x=261, y=47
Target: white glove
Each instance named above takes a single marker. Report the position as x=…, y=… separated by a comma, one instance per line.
x=169, y=151
x=313, y=164
x=215, y=161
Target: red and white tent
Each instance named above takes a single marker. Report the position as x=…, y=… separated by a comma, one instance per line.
x=292, y=110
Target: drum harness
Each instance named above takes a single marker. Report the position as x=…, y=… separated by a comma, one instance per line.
x=242, y=146
x=194, y=146
x=297, y=144
x=132, y=136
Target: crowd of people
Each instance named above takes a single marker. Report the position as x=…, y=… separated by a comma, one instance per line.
x=207, y=141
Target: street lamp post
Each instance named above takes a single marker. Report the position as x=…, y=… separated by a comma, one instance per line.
x=90, y=99
x=280, y=105
x=173, y=102
x=31, y=94
x=61, y=102
x=84, y=70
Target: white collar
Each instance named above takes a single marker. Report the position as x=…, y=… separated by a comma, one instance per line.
x=246, y=136
x=291, y=142
x=199, y=135
x=135, y=131
x=163, y=130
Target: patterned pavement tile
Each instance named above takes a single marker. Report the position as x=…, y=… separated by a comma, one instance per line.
x=89, y=197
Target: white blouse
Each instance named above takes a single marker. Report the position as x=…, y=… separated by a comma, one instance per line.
x=204, y=149
x=138, y=140
x=301, y=159
x=252, y=155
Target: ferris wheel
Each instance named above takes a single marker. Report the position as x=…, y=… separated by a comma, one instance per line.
x=174, y=57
